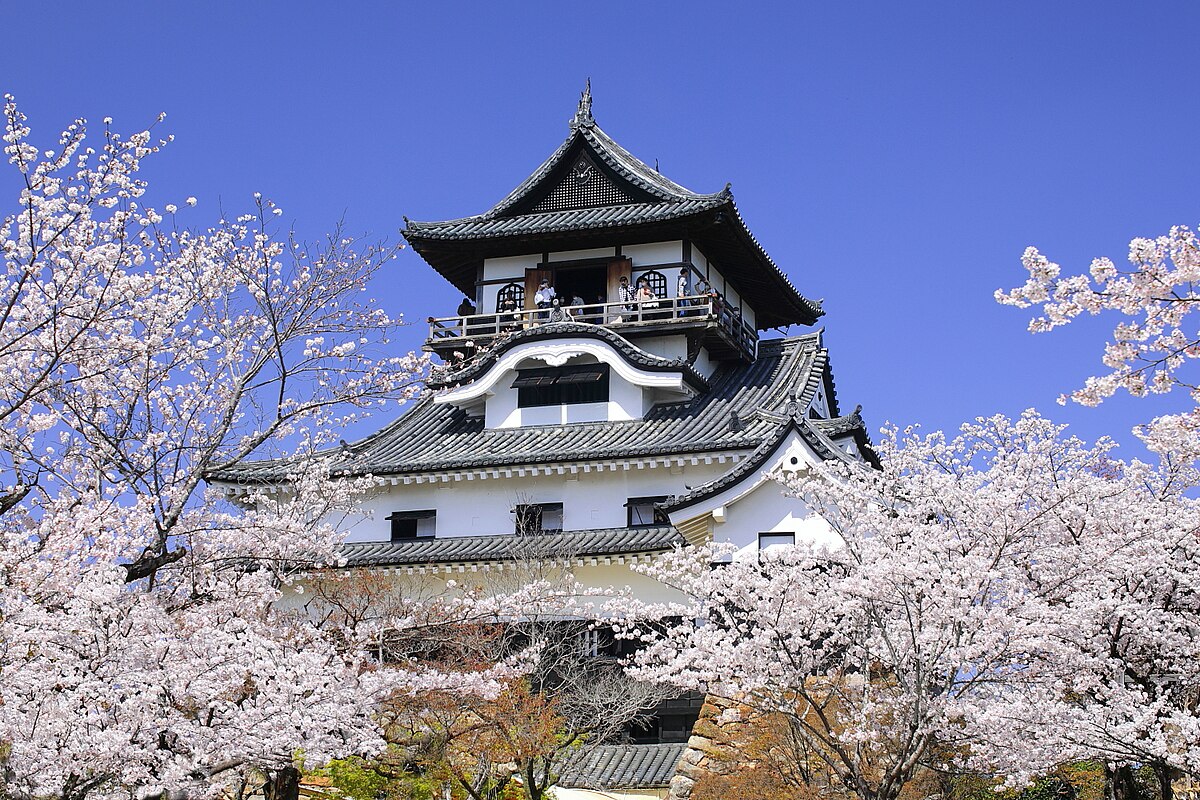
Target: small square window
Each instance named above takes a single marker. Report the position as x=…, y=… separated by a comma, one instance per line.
x=534, y=518
x=775, y=539
x=640, y=511
x=412, y=524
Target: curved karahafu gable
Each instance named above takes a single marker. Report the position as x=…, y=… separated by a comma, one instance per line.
x=559, y=335
x=732, y=418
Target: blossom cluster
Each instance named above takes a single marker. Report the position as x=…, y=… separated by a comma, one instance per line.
x=1010, y=598
x=146, y=649
x=1157, y=338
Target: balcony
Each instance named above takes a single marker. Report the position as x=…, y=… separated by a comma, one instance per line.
x=720, y=328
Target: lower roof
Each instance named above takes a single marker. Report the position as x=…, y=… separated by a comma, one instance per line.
x=620, y=766
x=728, y=418
x=510, y=547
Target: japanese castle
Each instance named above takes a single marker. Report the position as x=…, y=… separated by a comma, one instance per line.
x=609, y=426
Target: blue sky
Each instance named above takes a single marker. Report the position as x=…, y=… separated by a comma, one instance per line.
x=894, y=159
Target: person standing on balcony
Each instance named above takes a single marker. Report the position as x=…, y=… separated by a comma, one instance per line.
x=684, y=290
x=714, y=299
x=510, y=317
x=465, y=309
x=646, y=299
x=543, y=297
x=625, y=293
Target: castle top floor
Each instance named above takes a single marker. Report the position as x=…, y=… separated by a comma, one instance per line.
x=589, y=216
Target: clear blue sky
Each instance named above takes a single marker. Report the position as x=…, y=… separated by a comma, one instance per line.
x=894, y=158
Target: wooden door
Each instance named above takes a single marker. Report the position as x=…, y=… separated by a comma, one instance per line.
x=618, y=268
x=533, y=280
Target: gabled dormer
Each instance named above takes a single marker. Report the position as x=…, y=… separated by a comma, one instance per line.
x=591, y=215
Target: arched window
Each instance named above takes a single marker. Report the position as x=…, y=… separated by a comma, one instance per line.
x=512, y=292
x=657, y=281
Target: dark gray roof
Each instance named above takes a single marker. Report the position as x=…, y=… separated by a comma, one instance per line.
x=813, y=432
x=620, y=766
x=648, y=185
x=484, y=227
x=637, y=203
x=434, y=437
x=510, y=547
x=841, y=426
x=479, y=364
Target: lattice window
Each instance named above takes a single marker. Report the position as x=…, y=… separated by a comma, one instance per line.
x=585, y=186
x=657, y=281
x=510, y=296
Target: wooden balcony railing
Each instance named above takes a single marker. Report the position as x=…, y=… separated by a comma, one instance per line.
x=455, y=331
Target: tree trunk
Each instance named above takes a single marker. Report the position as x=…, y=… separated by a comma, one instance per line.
x=283, y=785
x=1165, y=776
x=1119, y=782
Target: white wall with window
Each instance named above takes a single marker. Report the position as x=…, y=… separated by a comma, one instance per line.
x=484, y=505
x=503, y=395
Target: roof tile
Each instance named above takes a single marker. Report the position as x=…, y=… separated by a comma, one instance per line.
x=620, y=766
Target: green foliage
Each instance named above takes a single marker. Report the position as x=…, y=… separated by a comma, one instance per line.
x=1086, y=779
x=1146, y=783
x=361, y=779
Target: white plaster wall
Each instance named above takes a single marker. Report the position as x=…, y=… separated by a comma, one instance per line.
x=483, y=506
x=647, y=255
x=699, y=260
x=500, y=406
x=768, y=510
x=704, y=363
x=575, y=255
x=666, y=346
x=603, y=580
x=820, y=403
x=732, y=298
x=744, y=510
x=511, y=268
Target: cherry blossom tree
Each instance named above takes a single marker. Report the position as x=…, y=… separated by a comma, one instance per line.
x=1152, y=346
x=142, y=645
x=979, y=584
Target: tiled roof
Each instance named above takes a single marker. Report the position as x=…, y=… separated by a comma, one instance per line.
x=435, y=437
x=850, y=425
x=620, y=766
x=840, y=426
x=485, y=227
x=461, y=549
x=656, y=187
x=633, y=354
x=818, y=433
x=646, y=201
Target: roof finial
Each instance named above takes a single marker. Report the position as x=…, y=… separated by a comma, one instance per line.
x=583, y=114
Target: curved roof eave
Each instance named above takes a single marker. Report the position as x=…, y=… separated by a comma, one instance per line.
x=485, y=360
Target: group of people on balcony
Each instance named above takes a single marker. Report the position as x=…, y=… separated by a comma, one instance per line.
x=630, y=304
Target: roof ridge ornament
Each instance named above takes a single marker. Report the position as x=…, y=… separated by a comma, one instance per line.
x=583, y=114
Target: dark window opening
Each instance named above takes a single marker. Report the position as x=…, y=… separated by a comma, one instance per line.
x=582, y=383
x=589, y=284
x=412, y=524
x=535, y=518
x=670, y=721
x=641, y=511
